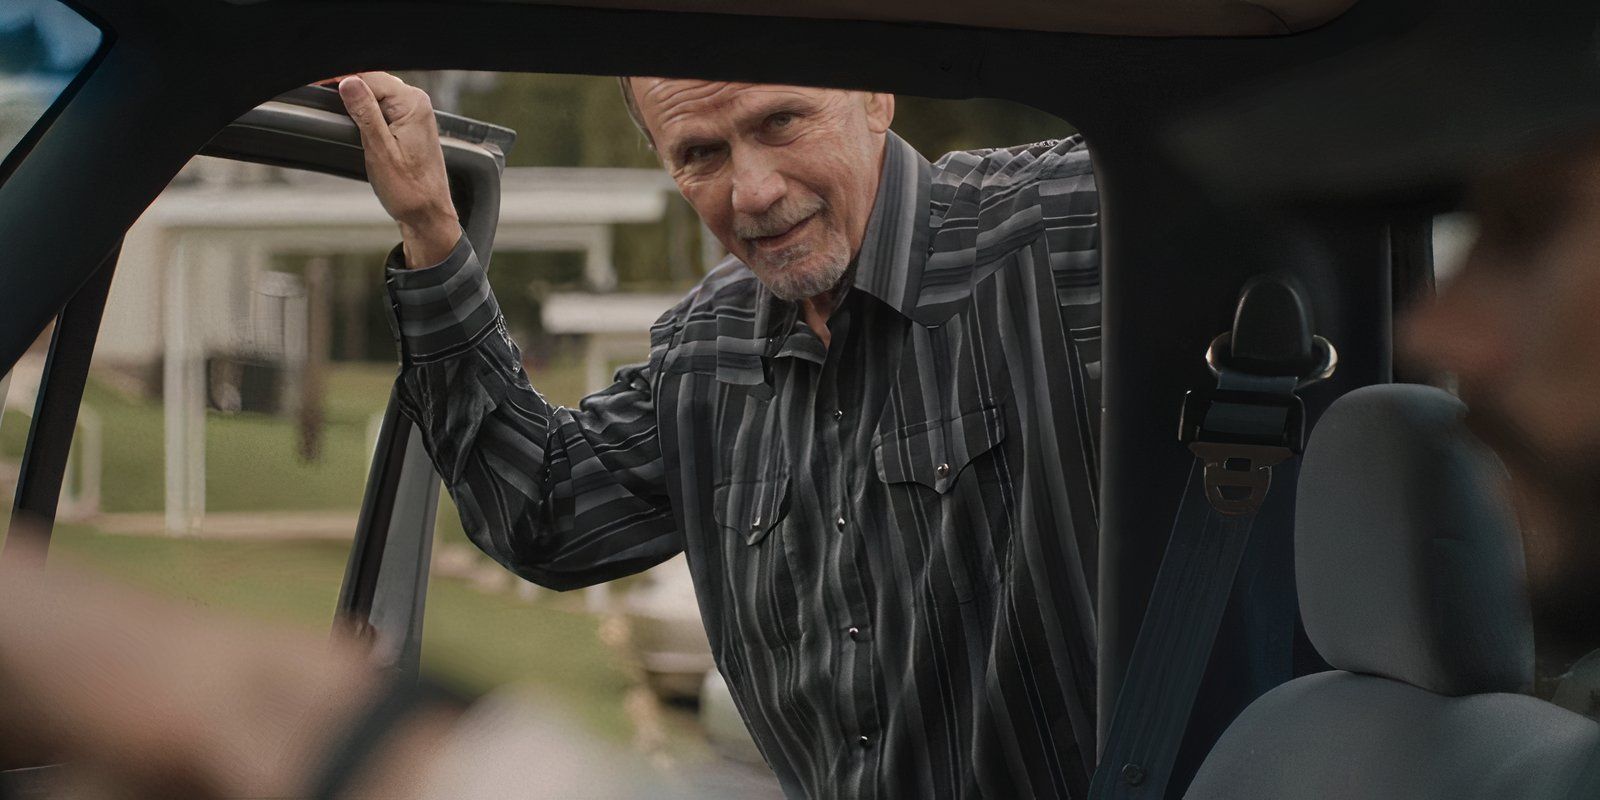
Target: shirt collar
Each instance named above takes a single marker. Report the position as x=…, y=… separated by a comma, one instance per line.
x=895, y=248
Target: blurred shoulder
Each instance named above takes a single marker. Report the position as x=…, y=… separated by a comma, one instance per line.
x=995, y=199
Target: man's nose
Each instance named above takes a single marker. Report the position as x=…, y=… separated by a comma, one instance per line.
x=756, y=186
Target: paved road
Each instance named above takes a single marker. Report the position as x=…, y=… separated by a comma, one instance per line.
x=672, y=734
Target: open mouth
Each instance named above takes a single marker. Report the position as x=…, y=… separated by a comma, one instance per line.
x=782, y=239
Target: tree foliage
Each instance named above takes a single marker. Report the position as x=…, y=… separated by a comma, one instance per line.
x=580, y=121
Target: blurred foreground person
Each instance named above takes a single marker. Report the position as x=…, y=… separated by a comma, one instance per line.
x=141, y=697
x=1514, y=132
x=1519, y=329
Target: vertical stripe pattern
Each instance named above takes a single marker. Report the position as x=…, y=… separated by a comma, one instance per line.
x=892, y=538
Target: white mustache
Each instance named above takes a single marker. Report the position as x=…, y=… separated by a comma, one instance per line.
x=776, y=220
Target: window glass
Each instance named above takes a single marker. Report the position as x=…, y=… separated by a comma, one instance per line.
x=19, y=391
x=43, y=46
x=1453, y=235
x=244, y=364
x=232, y=402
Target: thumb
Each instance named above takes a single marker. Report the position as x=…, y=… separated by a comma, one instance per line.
x=362, y=106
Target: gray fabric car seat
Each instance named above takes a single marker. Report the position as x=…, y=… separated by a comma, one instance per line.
x=1410, y=576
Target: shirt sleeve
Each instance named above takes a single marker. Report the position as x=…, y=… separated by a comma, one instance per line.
x=562, y=497
x=1071, y=209
x=1057, y=177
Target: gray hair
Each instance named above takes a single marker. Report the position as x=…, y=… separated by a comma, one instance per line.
x=633, y=109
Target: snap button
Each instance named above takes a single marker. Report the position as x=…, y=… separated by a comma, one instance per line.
x=840, y=523
x=755, y=524
x=838, y=413
x=854, y=633
x=864, y=742
x=1133, y=774
x=943, y=470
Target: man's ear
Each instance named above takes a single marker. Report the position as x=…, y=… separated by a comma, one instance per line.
x=880, y=111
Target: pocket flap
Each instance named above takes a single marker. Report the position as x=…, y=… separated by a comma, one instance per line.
x=934, y=452
x=752, y=507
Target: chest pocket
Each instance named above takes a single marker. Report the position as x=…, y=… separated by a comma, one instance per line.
x=948, y=493
x=935, y=452
x=764, y=606
x=752, y=508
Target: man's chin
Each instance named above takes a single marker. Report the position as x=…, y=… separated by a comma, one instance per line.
x=800, y=279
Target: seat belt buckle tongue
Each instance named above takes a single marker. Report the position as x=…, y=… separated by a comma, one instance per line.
x=1240, y=436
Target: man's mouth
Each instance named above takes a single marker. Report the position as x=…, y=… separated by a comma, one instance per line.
x=781, y=240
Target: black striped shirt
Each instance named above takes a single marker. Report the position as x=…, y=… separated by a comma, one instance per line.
x=891, y=537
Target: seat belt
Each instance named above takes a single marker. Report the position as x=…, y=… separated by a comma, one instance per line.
x=1238, y=432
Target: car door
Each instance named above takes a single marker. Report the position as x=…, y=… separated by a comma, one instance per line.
x=384, y=587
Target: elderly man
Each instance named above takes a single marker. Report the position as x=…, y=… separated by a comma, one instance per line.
x=871, y=429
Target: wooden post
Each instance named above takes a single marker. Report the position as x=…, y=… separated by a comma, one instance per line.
x=183, y=389
x=680, y=222
x=598, y=269
x=711, y=251
x=319, y=333
x=355, y=285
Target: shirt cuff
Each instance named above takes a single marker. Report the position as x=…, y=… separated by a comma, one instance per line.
x=440, y=311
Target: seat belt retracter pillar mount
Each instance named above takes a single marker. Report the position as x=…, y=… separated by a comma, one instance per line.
x=1252, y=421
x=1246, y=426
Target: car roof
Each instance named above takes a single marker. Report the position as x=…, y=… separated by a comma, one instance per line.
x=1114, y=17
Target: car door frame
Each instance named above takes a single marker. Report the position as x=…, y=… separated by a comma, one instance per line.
x=383, y=595
x=1173, y=258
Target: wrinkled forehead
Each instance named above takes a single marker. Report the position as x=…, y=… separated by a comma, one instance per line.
x=669, y=105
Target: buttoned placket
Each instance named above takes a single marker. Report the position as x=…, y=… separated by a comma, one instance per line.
x=834, y=414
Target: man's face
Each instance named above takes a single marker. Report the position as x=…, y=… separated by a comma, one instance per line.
x=1519, y=327
x=784, y=176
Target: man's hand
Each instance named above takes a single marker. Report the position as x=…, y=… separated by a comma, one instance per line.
x=405, y=164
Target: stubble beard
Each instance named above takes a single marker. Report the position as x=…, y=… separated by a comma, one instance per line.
x=788, y=278
x=804, y=269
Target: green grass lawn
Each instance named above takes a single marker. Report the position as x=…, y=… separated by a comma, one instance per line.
x=252, y=460
x=473, y=639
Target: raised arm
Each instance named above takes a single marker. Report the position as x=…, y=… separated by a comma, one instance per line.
x=563, y=497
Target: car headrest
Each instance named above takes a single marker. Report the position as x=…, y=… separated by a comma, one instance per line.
x=1407, y=555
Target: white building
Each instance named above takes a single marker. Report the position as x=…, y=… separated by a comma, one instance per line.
x=195, y=279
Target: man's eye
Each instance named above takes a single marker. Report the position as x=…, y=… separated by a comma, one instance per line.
x=780, y=121
x=698, y=153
